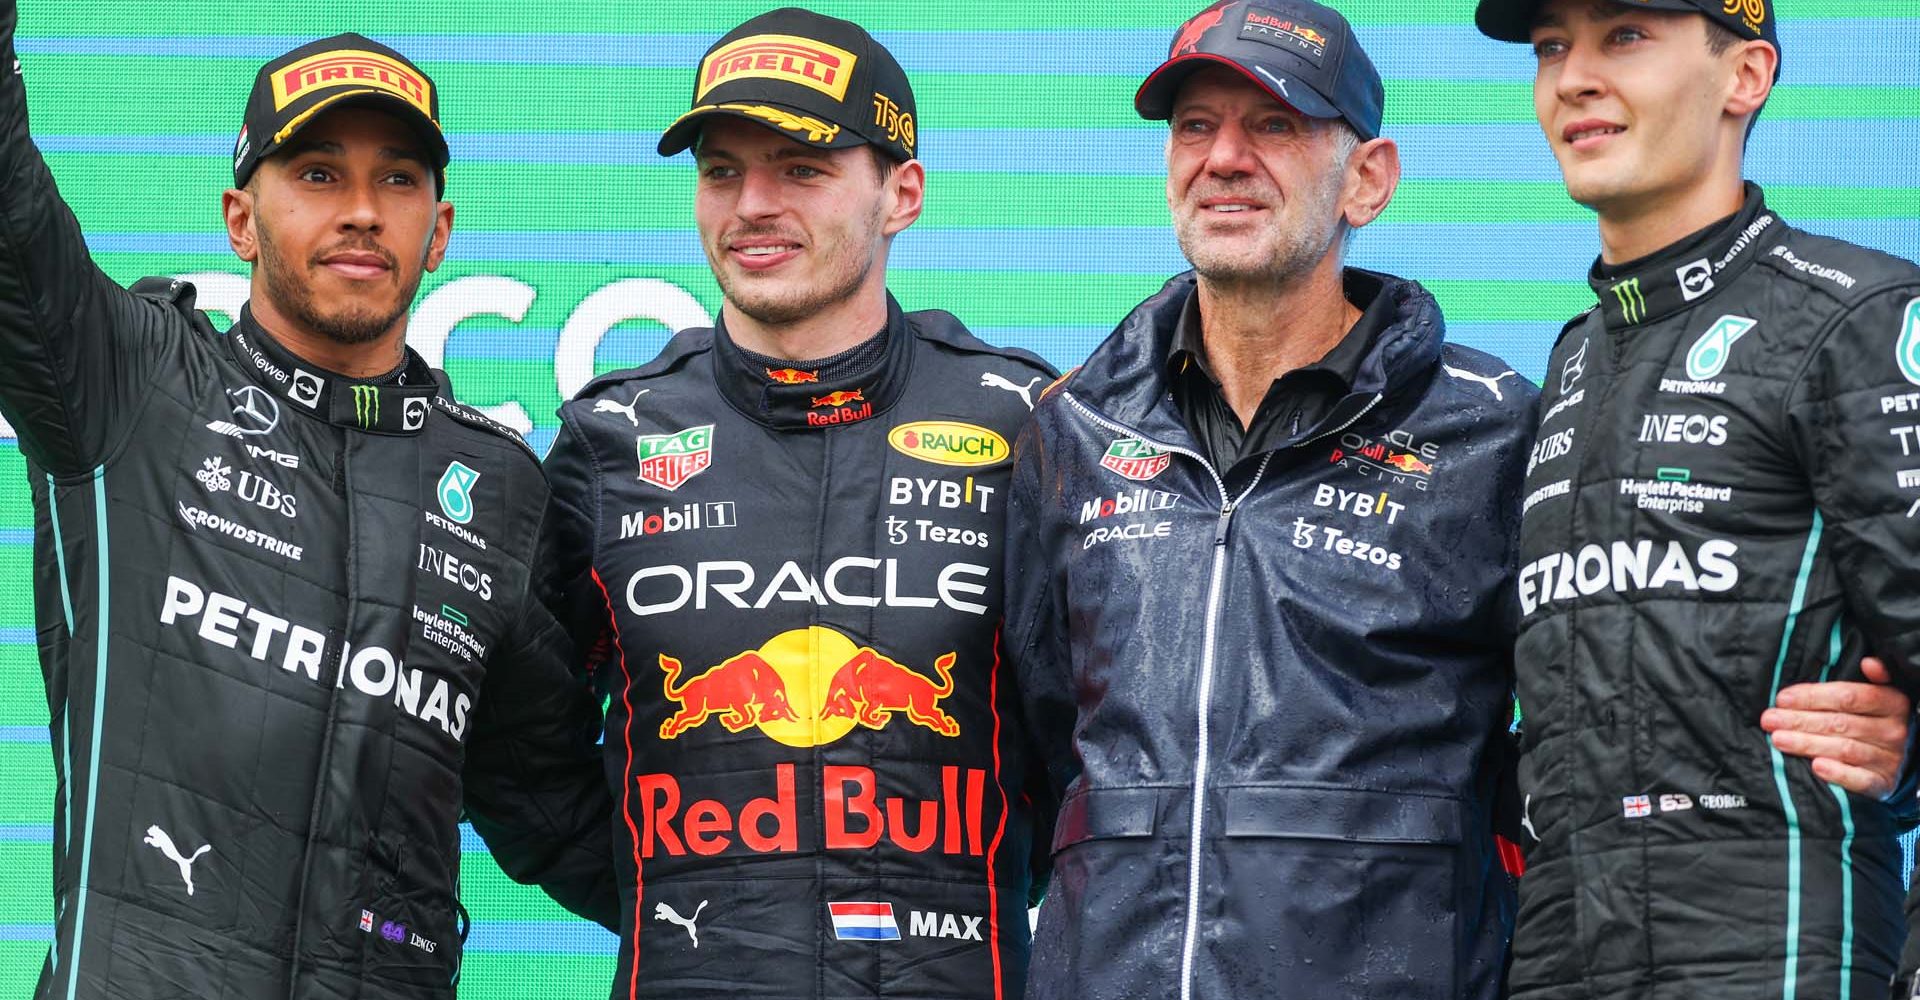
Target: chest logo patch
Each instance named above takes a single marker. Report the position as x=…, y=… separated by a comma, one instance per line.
x=807, y=687
x=669, y=460
x=1907, y=352
x=945, y=442
x=1708, y=355
x=1132, y=458
x=456, y=492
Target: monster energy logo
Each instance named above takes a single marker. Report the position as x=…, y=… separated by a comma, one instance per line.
x=366, y=405
x=1633, y=307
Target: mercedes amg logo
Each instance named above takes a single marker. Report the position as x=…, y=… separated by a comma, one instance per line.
x=254, y=413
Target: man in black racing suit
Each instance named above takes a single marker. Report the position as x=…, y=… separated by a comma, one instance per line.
x=1723, y=500
x=816, y=753
x=289, y=612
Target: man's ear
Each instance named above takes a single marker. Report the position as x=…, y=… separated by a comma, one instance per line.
x=1754, y=64
x=442, y=231
x=908, y=184
x=1373, y=175
x=237, y=205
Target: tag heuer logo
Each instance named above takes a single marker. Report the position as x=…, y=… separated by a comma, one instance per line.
x=669, y=460
x=1135, y=459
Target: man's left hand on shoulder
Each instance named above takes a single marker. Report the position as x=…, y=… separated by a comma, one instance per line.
x=1855, y=733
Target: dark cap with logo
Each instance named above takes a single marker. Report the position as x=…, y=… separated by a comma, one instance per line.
x=1512, y=20
x=291, y=91
x=1301, y=52
x=814, y=79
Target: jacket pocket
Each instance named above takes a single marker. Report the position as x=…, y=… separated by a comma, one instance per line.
x=1341, y=814
x=1105, y=814
x=1360, y=892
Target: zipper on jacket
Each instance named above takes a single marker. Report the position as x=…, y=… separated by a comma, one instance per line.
x=1216, y=580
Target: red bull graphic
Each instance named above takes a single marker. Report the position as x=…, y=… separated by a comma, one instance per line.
x=858, y=816
x=871, y=688
x=1189, y=38
x=839, y=398
x=791, y=376
x=808, y=687
x=1395, y=455
x=743, y=690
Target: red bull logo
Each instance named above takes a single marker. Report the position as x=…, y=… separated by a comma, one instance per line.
x=858, y=816
x=743, y=690
x=791, y=376
x=1189, y=38
x=839, y=398
x=1406, y=462
x=1394, y=454
x=863, y=687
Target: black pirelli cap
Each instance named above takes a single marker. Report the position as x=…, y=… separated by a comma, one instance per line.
x=347, y=69
x=815, y=79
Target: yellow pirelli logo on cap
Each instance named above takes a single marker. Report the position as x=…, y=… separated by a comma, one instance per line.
x=351, y=68
x=788, y=58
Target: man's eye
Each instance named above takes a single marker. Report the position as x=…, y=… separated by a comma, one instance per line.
x=1626, y=35
x=315, y=175
x=717, y=173
x=402, y=179
x=1548, y=49
x=1276, y=126
x=1192, y=126
x=806, y=172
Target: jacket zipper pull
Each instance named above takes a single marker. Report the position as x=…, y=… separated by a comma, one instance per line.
x=1220, y=530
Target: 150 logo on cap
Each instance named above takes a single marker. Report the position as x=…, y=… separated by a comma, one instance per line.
x=351, y=67
x=787, y=58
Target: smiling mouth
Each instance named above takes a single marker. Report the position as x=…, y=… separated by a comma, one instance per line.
x=1589, y=133
x=766, y=251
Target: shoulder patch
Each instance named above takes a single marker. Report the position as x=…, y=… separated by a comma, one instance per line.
x=942, y=327
x=684, y=345
x=474, y=418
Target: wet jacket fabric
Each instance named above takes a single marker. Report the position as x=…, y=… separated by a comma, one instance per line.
x=818, y=762
x=1275, y=697
x=1722, y=503
x=289, y=628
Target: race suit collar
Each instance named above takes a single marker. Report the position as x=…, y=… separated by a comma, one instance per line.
x=1682, y=274
x=1127, y=377
x=800, y=399
x=381, y=408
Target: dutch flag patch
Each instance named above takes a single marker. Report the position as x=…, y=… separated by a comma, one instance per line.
x=863, y=922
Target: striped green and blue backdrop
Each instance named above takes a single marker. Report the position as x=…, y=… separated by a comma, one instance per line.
x=574, y=250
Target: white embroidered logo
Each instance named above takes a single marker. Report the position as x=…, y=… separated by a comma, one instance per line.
x=158, y=838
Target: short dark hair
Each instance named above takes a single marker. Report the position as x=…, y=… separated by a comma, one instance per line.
x=1720, y=38
x=883, y=164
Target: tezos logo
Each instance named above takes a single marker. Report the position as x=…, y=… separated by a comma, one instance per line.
x=1135, y=459
x=1708, y=355
x=1696, y=279
x=456, y=492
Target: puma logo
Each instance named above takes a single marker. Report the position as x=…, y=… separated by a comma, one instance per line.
x=609, y=406
x=158, y=838
x=1492, y=384
x=662, y=911
x=1025, y=392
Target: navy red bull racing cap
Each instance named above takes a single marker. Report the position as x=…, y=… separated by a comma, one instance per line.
x=1303, y=53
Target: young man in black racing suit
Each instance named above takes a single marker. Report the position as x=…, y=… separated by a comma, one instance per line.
x=795, y=521
x=290, y=608
x=1724, y=501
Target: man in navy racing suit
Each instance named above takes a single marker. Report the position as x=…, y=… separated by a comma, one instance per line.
x=795, y=520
